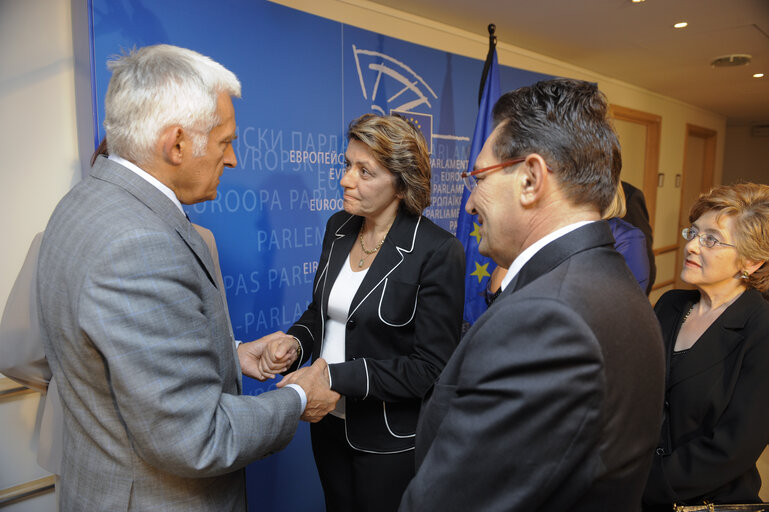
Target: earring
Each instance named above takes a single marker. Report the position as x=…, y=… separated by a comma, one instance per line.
x=744, y=275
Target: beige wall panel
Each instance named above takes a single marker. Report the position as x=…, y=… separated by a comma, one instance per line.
x=666, y=266
x=632, y=138
x=746, y=157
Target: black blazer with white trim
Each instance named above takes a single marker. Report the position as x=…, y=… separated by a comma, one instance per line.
x=403, y=325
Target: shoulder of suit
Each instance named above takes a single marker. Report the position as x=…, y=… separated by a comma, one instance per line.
x=755, y=305
x=433, y=228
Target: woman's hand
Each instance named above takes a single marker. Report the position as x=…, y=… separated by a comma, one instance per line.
x=264, y=358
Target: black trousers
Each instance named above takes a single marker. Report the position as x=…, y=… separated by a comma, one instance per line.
x=355, y=481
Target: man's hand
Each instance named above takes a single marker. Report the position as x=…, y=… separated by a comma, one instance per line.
x=321, y=399
x=269, y=355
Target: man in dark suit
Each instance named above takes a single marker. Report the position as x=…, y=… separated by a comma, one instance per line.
x=132, y=319
x=553, y=399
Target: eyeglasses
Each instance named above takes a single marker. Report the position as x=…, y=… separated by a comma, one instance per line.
x=705, y=239
x=470, y=177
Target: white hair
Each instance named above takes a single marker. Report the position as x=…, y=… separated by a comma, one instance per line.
x=159, y=86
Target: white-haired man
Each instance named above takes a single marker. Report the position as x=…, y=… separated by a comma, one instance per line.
x=133, y=325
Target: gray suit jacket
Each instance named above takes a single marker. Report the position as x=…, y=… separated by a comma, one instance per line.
x=22, y=357
x=553, y=399
x=139, y=342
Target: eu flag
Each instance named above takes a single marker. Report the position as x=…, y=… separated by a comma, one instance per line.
x=478, y=268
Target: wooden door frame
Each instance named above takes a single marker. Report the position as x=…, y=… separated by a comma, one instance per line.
x=653, y=124
x=708, y=173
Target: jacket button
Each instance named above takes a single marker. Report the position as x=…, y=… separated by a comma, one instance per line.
x=351, y=323
x=660, y=451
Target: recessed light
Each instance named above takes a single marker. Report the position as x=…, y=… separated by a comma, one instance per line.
x=758, y=75
x=638, y=1
x=680, y=24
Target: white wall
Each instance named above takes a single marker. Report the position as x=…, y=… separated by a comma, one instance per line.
x=39, y=164
x=746, y=158
x=38, y=140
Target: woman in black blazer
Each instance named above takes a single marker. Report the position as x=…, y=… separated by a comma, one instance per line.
x=716, y=419
x=386, y=315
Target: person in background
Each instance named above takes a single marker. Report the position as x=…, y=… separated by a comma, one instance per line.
x=716, y=423
x=637, y=215
x=386, y=315
x=550, y=402
x=132, y=321
x=629, y=241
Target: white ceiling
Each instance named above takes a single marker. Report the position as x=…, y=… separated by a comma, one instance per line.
x=635, y=43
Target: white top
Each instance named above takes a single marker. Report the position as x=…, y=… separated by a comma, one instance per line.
x=339, y=302
x=534, y=248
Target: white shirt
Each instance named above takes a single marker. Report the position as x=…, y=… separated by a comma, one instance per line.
x=149, y=178
x=339, y=301
x=534, y=248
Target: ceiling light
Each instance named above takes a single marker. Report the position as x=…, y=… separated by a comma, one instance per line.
x=638, y=1
x=758, y=75
x=680, y=24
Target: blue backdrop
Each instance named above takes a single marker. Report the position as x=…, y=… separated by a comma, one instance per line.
x=304, y=78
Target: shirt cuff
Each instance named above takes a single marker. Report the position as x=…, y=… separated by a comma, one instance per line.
x=302, y=394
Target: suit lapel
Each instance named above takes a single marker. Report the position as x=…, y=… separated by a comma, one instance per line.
x=671, y=324
x=346, y=234
x=112, y=172
x=592, y=235
x=718, y=342
x=398, y=242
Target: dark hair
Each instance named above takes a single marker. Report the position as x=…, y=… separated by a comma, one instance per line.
x=100, y=150
x=748, y=204
x=399, y=147
x=564, y=121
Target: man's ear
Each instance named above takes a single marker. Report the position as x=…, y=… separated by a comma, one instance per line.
x=533, y=177
x=173, y=143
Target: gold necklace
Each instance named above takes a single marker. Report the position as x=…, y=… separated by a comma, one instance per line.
x=367, y=252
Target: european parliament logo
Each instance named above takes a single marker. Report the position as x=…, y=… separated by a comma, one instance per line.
x=424, y=122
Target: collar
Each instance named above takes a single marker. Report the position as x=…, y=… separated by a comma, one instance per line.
x=534, y=248
x=149, y=178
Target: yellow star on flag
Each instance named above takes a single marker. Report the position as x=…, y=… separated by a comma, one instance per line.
x=476, y=233
x=480, y=271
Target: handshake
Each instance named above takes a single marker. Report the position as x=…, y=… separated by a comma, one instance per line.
x=270, y=355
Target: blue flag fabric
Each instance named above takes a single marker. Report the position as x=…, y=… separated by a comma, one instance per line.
x=477, y=268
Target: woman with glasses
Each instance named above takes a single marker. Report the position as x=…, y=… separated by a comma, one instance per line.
x=716, y=418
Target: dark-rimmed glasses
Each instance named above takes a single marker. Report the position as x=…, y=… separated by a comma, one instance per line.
x=705, y=239
x=469, y=177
